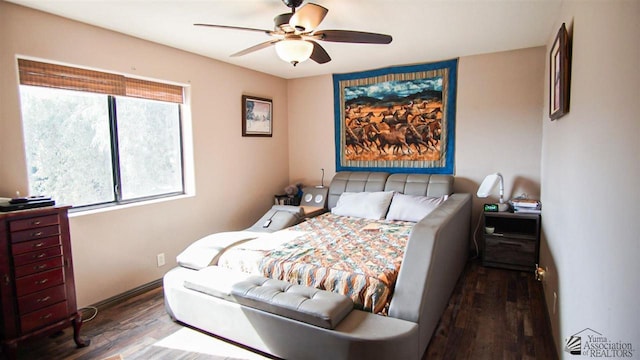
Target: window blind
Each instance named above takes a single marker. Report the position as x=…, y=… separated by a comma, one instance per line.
x=70, y=78
x=153, y=90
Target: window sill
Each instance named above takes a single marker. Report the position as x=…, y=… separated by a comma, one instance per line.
x=79, y=213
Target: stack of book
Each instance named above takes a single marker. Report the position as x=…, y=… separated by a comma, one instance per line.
x=526, y=206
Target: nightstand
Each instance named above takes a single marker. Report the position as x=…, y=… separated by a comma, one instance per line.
x=514, y=243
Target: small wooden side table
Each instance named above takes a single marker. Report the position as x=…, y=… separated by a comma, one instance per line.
x=515, y=241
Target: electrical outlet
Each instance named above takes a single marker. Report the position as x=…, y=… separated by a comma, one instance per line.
x=160, y=258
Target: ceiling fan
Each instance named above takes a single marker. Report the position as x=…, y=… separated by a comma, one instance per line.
x=294, y=34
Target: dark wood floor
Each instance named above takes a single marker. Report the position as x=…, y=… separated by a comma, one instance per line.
x=493, y=314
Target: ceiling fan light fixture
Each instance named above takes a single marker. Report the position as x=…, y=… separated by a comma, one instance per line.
x=294, y=51
x=295, y=38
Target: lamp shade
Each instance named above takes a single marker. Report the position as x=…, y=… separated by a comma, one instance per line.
x=294, y=50
x=489, y=184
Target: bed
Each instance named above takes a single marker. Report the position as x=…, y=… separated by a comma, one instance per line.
x=368, y=279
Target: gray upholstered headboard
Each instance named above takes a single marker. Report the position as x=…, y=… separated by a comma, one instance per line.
x=410, y=184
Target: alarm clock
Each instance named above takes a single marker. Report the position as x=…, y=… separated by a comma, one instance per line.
x=491, y=207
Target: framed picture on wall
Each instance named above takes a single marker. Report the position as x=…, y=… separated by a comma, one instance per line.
x=559, y=74
x=257, y=116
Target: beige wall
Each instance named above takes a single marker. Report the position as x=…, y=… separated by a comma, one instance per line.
x=311, y=145
x=498, y=124
x=590, y=171
x=235, y=177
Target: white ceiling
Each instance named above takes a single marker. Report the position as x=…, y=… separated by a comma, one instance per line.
x=422, y=30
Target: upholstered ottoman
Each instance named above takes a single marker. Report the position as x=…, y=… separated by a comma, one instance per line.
x=313, y=306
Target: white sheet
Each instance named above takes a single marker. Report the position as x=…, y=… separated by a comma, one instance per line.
x=246, y=256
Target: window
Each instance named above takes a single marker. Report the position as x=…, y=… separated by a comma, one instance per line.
x=91, y=141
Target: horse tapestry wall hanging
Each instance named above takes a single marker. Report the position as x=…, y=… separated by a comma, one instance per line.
x=398, y=119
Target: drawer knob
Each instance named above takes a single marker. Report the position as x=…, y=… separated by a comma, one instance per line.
x=6, y=279
x=39, y=256
x=36, y=222
x=45, y=317
x=40, y=267
x=40, y=244
x=37, y=233
x=40, y=282
x=44, y=299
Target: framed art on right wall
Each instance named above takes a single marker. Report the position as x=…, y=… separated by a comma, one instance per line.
x=559, y=74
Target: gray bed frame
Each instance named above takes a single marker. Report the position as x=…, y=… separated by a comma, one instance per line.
x=434, y=259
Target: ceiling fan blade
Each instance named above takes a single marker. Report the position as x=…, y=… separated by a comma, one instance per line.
x=308, y=17
x=352, y=37
x=319, y=54
x=255, y=48
x=268, y=32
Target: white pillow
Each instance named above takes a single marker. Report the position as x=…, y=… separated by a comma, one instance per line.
x=368, y=205
x=412, y=207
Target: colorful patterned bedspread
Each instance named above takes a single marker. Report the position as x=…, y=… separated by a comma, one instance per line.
x=356, y=257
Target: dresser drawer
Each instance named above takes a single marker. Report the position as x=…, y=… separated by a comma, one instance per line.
x=37, y=233
x=36, y=267
x=34, y=256
x=41, y=299
x=40, y=281
x=43, y=317
x=34, y=222
x=510, y=251
x=34, y=245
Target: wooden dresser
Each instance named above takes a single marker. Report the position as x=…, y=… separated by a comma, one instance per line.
x=37, y=289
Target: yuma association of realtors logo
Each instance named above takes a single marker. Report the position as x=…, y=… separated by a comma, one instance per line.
x=590, y=343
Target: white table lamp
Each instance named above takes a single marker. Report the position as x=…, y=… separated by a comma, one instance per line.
x=487, y=187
